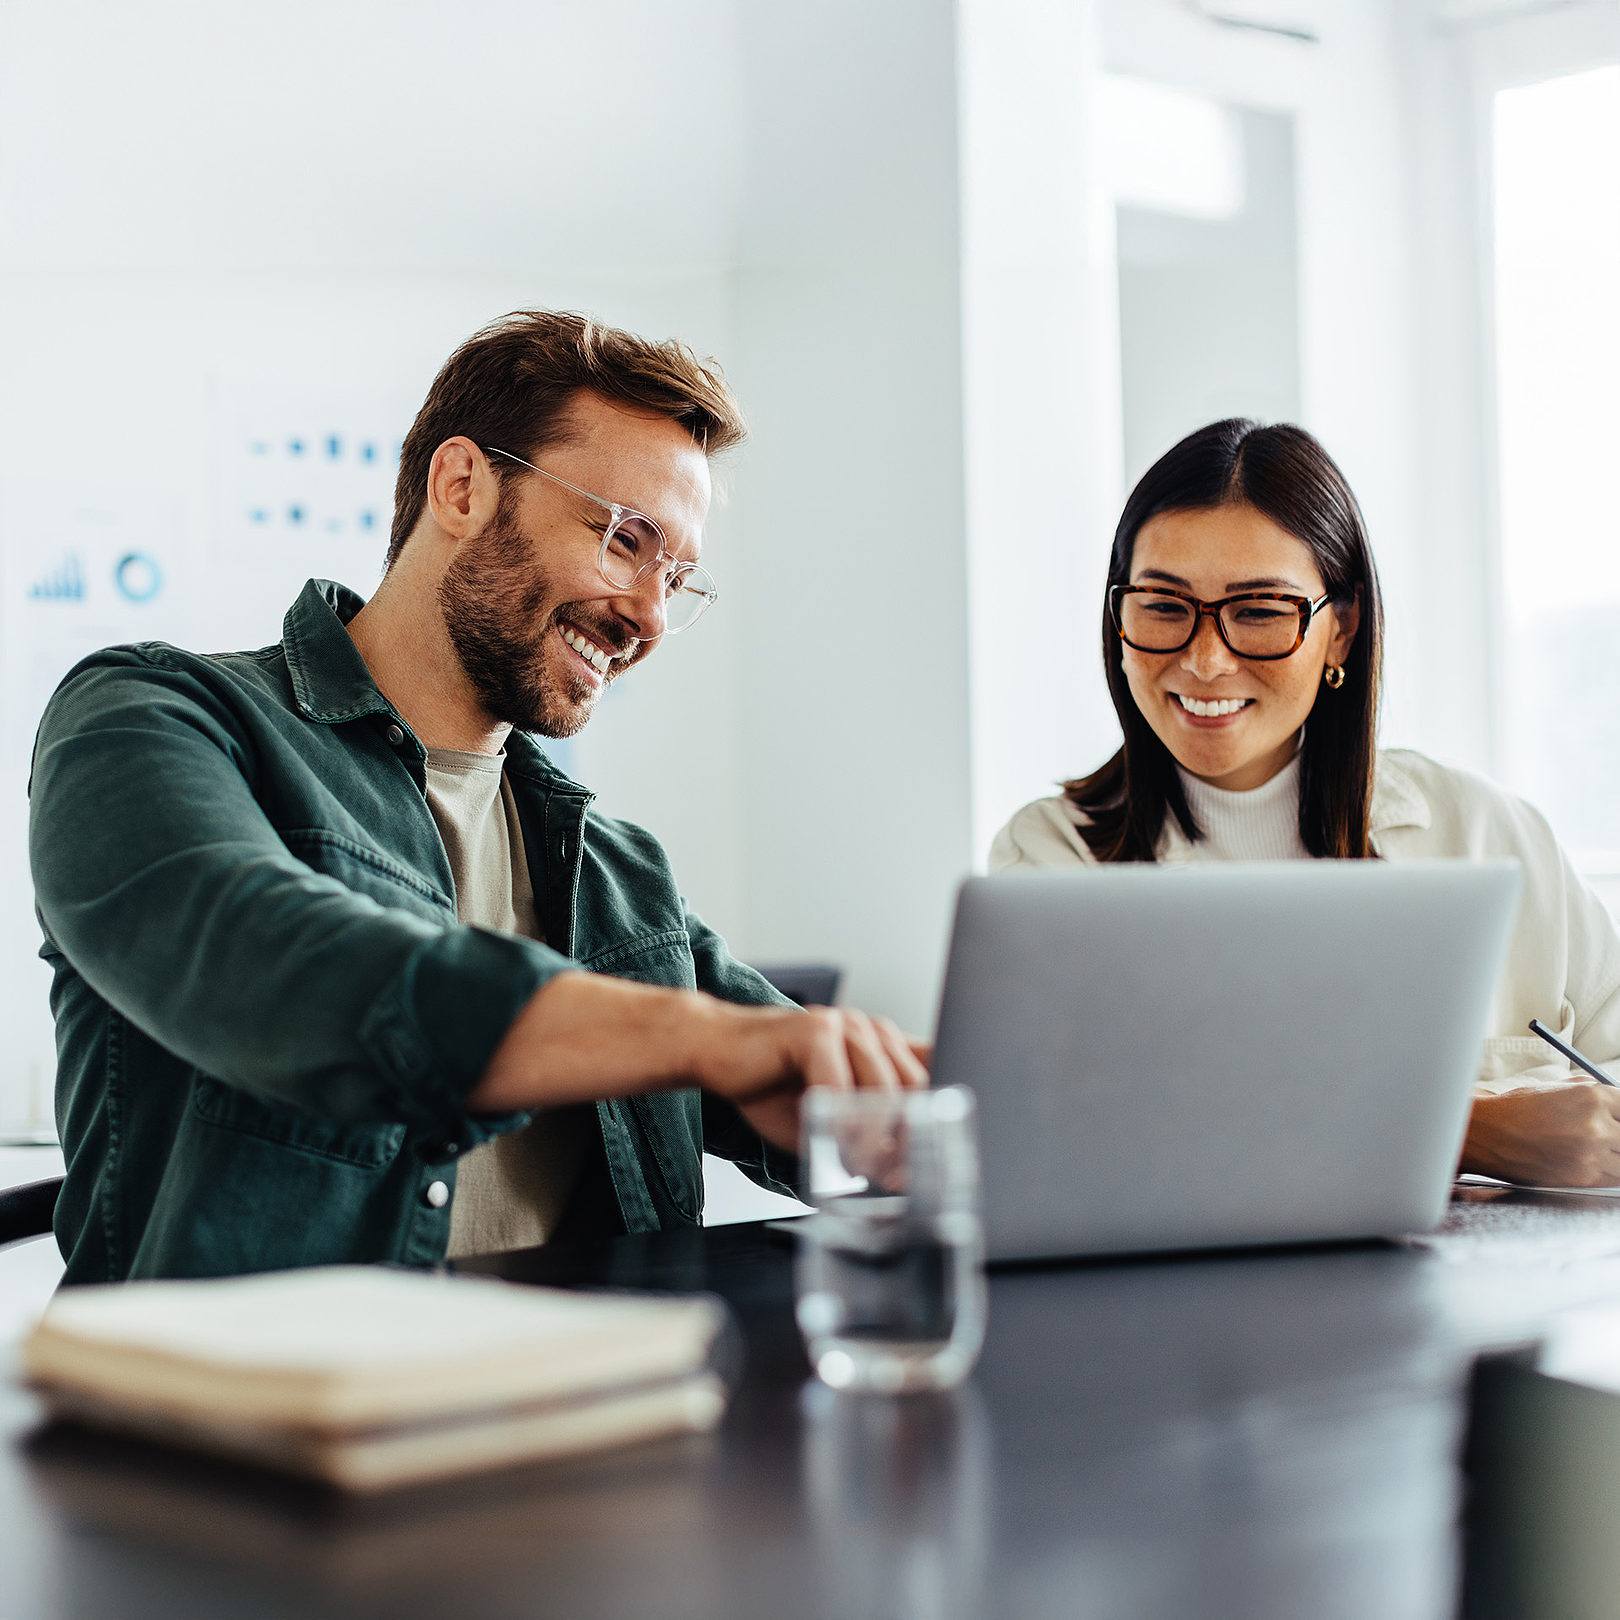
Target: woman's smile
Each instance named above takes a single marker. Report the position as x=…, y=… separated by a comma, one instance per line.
x=1213, y=711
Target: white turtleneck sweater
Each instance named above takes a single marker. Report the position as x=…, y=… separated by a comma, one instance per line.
x=1260, y=825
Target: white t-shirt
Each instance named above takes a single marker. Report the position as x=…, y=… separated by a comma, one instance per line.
x=510, y=1190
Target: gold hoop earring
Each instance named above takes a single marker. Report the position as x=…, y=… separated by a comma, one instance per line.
x=1333, y=676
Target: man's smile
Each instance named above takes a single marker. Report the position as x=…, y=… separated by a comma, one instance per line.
x=595, y=661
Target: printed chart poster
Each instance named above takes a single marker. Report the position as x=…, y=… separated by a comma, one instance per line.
x=303, y=482
x=82, y=568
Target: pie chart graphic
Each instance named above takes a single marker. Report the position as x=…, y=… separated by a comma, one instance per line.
x=137, y=576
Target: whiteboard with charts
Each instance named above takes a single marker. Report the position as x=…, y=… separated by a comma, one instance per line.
x=296, y=482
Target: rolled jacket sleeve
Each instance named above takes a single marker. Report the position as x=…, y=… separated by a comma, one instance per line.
x=163, y=882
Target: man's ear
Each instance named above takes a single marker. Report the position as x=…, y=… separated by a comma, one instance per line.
x=462, y=489
x=1346, y=621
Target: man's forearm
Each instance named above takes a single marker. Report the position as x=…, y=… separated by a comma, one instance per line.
x=584, y=1036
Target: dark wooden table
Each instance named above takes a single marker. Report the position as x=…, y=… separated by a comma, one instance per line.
x=1266, y=1435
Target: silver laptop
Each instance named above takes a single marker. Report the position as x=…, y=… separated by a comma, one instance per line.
x=1222, y=1055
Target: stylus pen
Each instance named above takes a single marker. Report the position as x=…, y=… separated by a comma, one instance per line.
x=1574, y=1057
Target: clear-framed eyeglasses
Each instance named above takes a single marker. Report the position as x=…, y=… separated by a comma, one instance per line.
x=633, y=546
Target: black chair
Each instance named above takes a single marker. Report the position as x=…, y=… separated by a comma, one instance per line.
x=811, y=984
x=26, y=1211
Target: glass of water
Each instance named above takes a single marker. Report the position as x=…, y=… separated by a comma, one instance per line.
x=890, y=1272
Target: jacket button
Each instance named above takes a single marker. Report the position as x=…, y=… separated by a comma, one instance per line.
x=396, y=735
x=437, y=1195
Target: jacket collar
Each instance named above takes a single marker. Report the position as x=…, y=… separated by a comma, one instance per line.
x=1397, y=801
x=330, y=680
x=331, y=683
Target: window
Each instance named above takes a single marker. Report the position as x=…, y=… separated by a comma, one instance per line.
x=1207, y=249
x=1557, y=278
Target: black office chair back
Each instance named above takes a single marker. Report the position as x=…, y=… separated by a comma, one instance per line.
x=811, y=984
x=26, y=1211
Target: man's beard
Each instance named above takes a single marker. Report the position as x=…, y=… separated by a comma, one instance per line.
x=493, y=600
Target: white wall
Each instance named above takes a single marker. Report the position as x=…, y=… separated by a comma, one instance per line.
x=852, y=704
x=1041, y=394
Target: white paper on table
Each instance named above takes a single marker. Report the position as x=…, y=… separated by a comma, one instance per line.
x=1469, y=1179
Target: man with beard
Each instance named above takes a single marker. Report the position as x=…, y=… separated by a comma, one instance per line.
x=345, y=968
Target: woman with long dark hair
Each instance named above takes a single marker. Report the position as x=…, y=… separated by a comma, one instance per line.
x=1243, y=642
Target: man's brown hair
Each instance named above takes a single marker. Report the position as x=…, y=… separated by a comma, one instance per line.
x=509, y=386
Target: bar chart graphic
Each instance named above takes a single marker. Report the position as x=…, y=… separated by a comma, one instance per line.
x=63, y=583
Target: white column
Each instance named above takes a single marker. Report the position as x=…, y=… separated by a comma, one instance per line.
x=1042, y=412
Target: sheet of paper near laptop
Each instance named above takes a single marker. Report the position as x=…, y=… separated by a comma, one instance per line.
x=1226, y=1055
x=1519, y=1186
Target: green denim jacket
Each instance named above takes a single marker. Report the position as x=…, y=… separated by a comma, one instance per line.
x=267, y=1017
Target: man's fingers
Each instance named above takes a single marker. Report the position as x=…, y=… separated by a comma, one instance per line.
x=909, y=1064
x=826, y=1059
x=848, y=1048
x=868, y=1056
x=837, y=1048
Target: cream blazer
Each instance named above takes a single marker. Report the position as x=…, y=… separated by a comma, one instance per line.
x=1563, y=963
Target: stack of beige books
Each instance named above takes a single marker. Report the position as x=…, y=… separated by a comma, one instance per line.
x=369, y=1378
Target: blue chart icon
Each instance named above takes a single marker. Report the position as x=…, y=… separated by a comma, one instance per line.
x=137, y=577
x=64, y=583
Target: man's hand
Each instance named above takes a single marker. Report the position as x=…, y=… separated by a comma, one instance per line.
x=587, y=1036
x=763, y=1059
x=1565, y=1137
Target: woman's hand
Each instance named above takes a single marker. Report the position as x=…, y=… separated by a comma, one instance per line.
x=1566, y=1136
